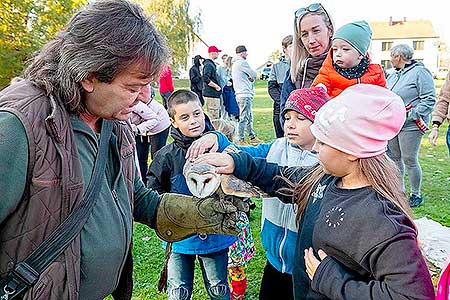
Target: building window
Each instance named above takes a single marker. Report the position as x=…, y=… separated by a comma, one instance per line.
x=418, y=45
x=386, y=46
x=386, y=64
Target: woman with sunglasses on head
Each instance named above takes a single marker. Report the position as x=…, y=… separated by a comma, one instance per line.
x=313, y=30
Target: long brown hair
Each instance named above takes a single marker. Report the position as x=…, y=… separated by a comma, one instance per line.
x=299, y=53
x=381, y=172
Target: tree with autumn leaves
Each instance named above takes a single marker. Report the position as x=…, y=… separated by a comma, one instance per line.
x=25, y=25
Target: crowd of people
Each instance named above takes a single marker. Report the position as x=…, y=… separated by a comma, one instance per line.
x=78, y=126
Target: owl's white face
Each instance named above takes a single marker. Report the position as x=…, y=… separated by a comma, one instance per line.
x=202, y=180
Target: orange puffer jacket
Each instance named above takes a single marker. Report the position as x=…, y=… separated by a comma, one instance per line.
x=336, y=83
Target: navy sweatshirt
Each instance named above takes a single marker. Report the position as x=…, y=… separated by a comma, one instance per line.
x=371, y=245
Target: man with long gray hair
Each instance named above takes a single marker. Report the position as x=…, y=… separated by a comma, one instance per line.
x=67, y=162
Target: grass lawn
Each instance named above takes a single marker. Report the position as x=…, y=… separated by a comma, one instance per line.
x=149, y=254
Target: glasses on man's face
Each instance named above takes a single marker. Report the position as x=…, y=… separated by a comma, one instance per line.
x=311, y=8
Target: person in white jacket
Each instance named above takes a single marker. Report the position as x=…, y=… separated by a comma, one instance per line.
x=150, y=122
x=243, y=80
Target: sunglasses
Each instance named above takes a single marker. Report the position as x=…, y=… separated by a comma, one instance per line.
x=311, y=8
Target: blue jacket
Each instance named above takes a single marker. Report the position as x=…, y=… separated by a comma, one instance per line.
x=165, y=175
x=279, y=225
x=229, y=101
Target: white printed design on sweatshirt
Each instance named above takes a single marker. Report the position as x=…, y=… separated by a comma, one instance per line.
x=334, y=216
x=318, y=192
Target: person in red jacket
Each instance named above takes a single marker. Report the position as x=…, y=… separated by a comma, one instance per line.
x=348, y=62
x=166, y=84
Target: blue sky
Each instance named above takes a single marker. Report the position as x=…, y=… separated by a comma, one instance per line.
x=260, y=25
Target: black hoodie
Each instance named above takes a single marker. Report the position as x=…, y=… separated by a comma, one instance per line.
x=371, y=244
x=195, y=76
x=210, y=74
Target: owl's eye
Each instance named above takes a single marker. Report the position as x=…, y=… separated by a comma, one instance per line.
x=207, y=180
x=194, y=181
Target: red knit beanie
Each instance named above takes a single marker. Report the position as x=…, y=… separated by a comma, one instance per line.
x=306, y=101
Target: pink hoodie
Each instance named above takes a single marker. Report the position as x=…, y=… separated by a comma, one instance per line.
x=443, y=287
x=151, y=118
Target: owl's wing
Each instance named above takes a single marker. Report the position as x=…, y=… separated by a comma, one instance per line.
x=231, y=185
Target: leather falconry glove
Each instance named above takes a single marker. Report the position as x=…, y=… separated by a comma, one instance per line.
x=180, y=216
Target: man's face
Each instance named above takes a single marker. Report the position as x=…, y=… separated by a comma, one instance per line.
x=114, y=100
x=189, y=119
x=243, y=54
x=213, y=55
x=146, y=94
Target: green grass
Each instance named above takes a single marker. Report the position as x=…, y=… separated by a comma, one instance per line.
x=148, y=252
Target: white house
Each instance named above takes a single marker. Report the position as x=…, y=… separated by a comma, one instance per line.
x=419, y=34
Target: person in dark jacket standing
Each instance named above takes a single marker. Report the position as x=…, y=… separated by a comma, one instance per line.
x=82, y=83
x=211, y=87
x=313, y=30
x=195, y=77
x=356, y=238
x=275, y=84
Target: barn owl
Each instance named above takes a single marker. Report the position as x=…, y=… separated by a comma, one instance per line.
x=203, y=181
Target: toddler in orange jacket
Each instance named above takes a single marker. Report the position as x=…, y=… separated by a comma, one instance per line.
x=348, y=62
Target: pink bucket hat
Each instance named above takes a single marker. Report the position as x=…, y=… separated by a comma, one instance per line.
x=361, y=120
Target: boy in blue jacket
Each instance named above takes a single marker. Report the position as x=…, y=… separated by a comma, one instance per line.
x=165, y=174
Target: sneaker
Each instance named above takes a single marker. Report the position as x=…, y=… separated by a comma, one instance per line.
x=255, y=141
x=415, y=200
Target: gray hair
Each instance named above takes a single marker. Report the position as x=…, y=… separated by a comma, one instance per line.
x=404, y=51
x=103, y=39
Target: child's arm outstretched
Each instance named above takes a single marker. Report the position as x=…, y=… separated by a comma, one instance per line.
x=216, y=141
x=270, y=177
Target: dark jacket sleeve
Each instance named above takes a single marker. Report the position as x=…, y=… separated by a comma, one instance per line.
x=274, y=90
x=158, y=174
x=270, y=177
x=207, y=72
x=397, y=265
x=194, y=76
x=286, y=90
x=146, y=203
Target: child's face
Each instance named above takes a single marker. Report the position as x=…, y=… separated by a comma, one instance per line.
x=344, y=55
x=189, y=119
x=296, y=129
x=333, y=161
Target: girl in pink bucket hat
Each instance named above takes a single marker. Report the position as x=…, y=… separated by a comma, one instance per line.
x=356, y=238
